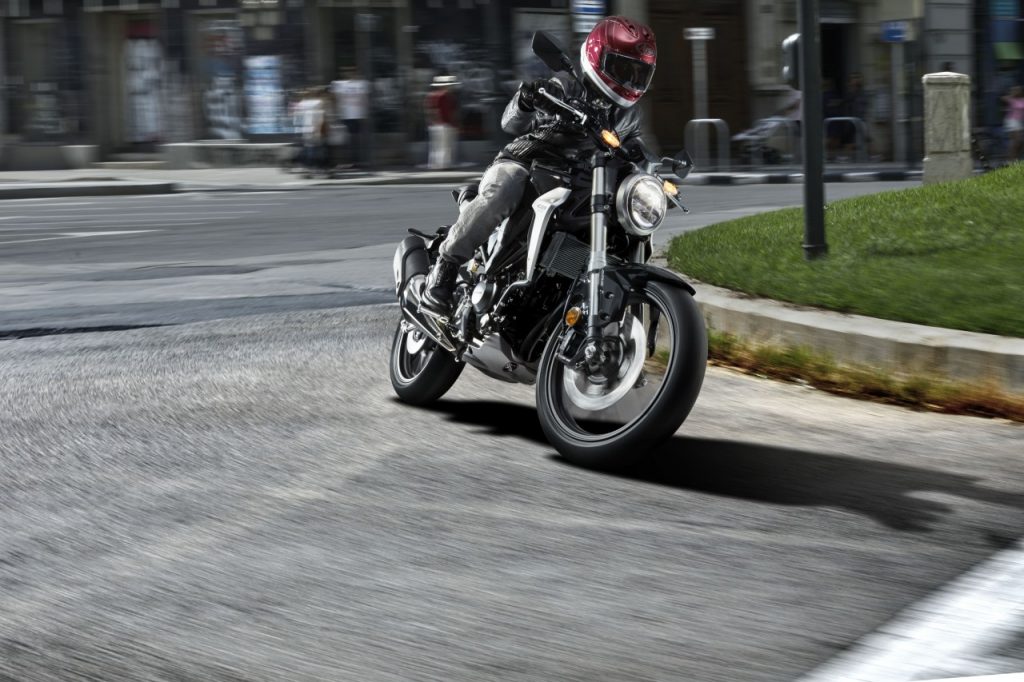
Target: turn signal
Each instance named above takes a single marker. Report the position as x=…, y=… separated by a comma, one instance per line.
x=610, y=139
x=670, y=189
x=573, y=315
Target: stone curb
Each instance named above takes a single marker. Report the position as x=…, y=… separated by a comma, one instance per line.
x=53, y=190
x=32, y=190
x=792, y=178
x=463, y=177
x=856, y=339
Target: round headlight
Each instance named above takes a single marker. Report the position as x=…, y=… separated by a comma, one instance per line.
x=641, y=204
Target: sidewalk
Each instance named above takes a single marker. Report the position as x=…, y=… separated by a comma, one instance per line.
x=93, y=181
x=100, y=181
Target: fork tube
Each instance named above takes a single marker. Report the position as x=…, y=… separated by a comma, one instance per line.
x=599, y=207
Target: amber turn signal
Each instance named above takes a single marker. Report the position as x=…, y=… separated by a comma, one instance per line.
x=670, y=189
x=610, y=139
x=573, y=315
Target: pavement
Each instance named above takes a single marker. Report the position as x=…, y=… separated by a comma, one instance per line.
x=848, y=338
x=97, y=181
x=205, y=476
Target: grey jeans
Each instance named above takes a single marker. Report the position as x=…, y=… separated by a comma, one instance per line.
x=501, y=188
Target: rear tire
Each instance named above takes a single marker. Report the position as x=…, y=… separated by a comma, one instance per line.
x=421, y=371
x=678, y=367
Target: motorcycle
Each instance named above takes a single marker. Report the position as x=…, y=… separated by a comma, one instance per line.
x=562, y=296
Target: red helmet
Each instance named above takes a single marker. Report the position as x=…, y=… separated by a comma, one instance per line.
x=618, y=58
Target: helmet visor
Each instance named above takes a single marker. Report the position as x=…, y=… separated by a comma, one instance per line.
x=627, y=72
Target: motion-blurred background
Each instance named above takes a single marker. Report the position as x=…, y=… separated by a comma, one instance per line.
x=87, y=81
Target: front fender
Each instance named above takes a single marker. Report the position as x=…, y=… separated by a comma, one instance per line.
x=618, y=282
x=638, y=274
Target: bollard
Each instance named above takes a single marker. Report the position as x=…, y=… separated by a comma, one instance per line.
x=947, y=127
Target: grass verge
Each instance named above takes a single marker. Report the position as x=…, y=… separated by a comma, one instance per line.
x=946, y=255
x=806, y=366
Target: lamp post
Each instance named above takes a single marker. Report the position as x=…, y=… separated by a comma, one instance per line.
x=366, y=22
x=814, y=153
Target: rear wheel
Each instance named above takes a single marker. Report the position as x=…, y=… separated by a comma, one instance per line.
x=421, y=371
x=611, y=413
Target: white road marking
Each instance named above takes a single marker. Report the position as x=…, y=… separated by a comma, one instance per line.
x=1008, y=677
x=26, y=241
x=967, y=619
x=103, y=234
x=52, y=199
x=142, y=220
x=76, y=235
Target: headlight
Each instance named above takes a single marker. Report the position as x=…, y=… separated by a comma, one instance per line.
x=641, y=204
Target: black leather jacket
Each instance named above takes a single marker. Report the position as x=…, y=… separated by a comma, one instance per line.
x=540, y=137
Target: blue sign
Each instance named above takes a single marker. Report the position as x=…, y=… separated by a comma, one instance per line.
x=1005, y=9
x=894, y=31
x=588, y=7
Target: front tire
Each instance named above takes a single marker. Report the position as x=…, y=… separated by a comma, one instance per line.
x=596, y=423
x=421, y=371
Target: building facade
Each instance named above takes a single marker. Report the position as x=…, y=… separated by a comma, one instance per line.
x=131, y=75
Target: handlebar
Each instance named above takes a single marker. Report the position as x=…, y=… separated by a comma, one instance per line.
x=576, y=113
x=582, y=118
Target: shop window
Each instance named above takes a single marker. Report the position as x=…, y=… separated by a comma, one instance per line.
x=378, y=31
x=36, y=110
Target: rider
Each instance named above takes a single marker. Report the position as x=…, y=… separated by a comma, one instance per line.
x=617, y=59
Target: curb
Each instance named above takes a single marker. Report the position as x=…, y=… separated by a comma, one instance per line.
x=54, y=190
x=793, y=178
x=857, y=339
x=84, y=188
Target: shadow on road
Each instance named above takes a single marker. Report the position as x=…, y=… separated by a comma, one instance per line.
x=883, y=491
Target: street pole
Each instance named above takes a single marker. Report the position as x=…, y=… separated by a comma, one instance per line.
x=365, y=23
x=699, y=37
x=700, y=79
x=814, y=153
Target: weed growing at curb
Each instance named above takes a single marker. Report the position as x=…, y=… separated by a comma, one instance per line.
x=800, y=364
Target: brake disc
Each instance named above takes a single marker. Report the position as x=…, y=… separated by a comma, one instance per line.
x=592, y=395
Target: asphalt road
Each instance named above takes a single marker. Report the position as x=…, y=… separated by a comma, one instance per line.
x=235, y=495
x=169, y=259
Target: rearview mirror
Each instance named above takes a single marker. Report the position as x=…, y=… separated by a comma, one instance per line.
x=682, y=164
x=549, y=52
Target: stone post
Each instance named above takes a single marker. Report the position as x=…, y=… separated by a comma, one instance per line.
x=947, y=127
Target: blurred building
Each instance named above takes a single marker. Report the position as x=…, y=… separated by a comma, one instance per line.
x=129, y=76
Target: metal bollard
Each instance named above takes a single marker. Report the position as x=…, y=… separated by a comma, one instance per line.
x=723, y=141
x=860, y=134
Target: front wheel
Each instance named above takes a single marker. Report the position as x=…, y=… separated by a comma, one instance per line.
x=421, y=371
x=608, y=415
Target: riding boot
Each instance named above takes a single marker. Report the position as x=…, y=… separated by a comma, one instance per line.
x=437, y=292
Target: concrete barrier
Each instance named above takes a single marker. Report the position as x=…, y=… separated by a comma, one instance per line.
x=947, y=127
x=899, y=347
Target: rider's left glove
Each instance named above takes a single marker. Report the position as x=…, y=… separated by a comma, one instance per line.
x=530, y=98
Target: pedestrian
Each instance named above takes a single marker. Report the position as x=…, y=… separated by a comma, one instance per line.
x=442, y=123
x=855, y=105
x=1013, y=123
x=352, y=95
x=831, y=107
x=312, y=127
x=335, y=132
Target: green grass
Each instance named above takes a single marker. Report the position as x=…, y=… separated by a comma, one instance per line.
x=948, y=255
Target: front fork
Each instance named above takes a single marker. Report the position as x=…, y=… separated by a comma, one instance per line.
x=600, y=207
x=594, y=352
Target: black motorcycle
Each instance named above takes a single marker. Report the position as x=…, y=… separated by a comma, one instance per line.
x=562, y=296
